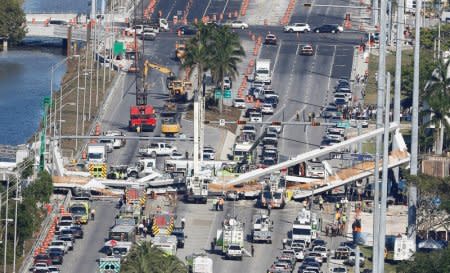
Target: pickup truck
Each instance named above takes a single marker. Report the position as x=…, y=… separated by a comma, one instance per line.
x=157, y=149
x=234, y=251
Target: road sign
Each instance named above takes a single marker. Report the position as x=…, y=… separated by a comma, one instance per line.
x=221, y=122
x=227, y=94
x=436, y=202
x=217, y=94
x=344, y=124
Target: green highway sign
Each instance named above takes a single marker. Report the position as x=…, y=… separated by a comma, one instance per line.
x=227, y=94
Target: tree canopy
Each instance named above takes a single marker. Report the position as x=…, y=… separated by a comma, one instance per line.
x=12, y=21
x=144, y=258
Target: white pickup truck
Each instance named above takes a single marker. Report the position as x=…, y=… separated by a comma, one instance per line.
x=157, y=149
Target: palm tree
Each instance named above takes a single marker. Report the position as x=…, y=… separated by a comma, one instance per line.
x=198, y=53
x=437, y=92
x=144, y=258
x=227, y=53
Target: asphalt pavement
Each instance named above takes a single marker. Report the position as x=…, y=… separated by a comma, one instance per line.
x=304, y=83
x=86, y=251
x=202, y=223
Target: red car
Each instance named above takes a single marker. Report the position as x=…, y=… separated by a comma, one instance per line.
x=271, y=39
x=43, y=258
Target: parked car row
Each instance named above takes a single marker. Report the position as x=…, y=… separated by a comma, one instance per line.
x=63, y=242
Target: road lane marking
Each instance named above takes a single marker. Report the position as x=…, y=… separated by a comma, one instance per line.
x=207, y=7
x=225, y=7
x=276, y=57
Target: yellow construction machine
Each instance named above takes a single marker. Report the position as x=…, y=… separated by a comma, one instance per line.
x=178, y=89
x=170, y=125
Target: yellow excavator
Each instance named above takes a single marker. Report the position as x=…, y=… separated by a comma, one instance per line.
x=178, y=89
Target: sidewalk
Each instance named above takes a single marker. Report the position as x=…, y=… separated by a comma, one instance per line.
x=360, y=18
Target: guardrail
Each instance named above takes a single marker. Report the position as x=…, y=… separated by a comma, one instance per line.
x=45, y=227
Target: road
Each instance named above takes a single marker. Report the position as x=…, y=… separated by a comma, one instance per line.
x=303, y=83
x=86, y=251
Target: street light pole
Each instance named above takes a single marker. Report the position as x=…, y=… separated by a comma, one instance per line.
x=6, y=226
x=380, y=102
x=78, y=99
x=412, y=193
x=15, y=224
x=382, y=230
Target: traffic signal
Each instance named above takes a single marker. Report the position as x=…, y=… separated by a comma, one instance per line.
x=241, y=122
x=308, y=5
x=278, y=123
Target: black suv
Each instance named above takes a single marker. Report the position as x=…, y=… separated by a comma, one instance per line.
x=179, y=233
x=56, y=255
x=327, y=29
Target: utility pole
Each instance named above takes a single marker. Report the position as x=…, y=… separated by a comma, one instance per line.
x=196, y=133
x=382, y=237
x=412, y=193
x=375, y=11
x=380, y=102
x=398, y=68
x=17, y=199
x=5, y=239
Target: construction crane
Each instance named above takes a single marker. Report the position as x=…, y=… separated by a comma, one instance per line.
x=178, y=88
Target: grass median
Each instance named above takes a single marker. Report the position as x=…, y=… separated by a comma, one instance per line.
x=371, y=88
x=94, y=83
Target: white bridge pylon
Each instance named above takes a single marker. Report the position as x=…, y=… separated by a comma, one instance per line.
x=255, y=174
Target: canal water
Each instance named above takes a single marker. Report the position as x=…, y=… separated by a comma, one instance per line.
x=24, y=82
x=25, y=74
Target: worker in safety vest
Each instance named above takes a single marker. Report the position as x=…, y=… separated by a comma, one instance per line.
x=92, y=214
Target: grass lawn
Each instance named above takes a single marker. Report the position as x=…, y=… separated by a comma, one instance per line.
x=388, y=267
x=371, y=89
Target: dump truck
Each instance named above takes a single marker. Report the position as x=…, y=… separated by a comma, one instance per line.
x=262, y=229
x=230, y=238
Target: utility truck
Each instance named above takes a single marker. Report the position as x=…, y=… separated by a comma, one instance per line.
x=200, y=263
x=305, y=227
x=262, y=229
x=166, y=243
x=262, y=71
x=96, y=153
x=197, y=190
x=231, y=238
x=142, y=168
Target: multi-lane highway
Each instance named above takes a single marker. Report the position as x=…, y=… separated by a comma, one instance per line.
x=304, y=83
